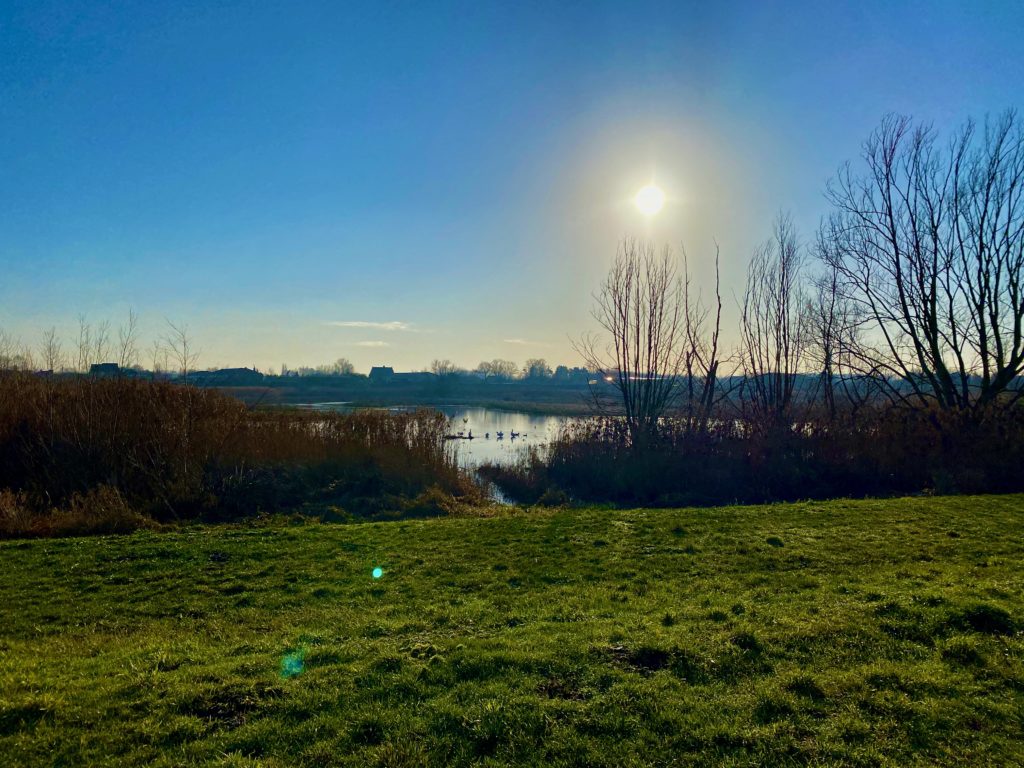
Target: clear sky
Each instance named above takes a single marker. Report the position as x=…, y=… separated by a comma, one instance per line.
x=273, y=173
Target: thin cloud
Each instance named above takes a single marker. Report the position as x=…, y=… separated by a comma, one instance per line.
x=372, y=344
x=525, y=342
x=394, y=325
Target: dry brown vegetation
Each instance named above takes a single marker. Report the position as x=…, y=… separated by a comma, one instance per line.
x=880, y=451
x=80, y=454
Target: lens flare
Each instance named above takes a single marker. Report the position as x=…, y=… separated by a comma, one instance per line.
x=377, y=572
x=292, y=664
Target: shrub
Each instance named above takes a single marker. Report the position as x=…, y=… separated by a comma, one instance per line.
x=101, y=510
x=433, y=502
x=15, y=516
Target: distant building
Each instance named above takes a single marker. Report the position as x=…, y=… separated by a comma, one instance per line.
x=381, y=373
x=104, y=369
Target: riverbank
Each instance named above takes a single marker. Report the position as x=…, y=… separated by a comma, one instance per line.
x=539, y=399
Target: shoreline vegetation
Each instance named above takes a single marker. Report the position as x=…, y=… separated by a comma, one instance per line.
x=80, y=455
x=94, y=455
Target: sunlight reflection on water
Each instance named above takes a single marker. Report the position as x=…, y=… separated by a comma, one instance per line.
x=519, y=431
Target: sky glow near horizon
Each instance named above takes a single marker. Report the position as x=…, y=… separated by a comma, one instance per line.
x=394, y=185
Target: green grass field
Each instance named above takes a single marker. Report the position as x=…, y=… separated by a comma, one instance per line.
x=840, y=633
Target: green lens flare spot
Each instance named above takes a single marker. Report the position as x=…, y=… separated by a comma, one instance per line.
x=292, y=664
x=378, y=572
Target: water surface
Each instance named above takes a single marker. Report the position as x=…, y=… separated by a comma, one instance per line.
x=518, y=431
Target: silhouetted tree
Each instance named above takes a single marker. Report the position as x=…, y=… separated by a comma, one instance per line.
x=825, y=329
x=51, y=352
x=497, y=369
x=927, y=244
x=641, y=306
x=158, y=358
x=701, y=359
x=13, y=355
x=444, y=368
x=84, y=351
x=773, y=329
x=340, y=367
x=537, y=368
x=181, y=348
x=127, y=341
x=101, y=342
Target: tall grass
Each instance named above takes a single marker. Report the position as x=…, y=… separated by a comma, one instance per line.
x=877, y=451
x=171, y=452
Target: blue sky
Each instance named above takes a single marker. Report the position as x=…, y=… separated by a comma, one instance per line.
x=270, y=174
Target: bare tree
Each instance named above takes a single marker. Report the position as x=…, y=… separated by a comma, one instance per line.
x=51, y=350
x=928, y=248
x=158, y=357
x=7, y=347
x=773, y=328
x=340, y=367
x=444, y=368
x=84, y=347
x=127, y=341
x=825, y=330
x=498, y=369
x=701, y=356
x=101, y=342
x=181, y=349
x=537, y=368
x=14, y=356
x=642, y=307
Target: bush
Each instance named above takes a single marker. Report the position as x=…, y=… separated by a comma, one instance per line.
x=101, y=510
x=433, y=502
x=15, y=516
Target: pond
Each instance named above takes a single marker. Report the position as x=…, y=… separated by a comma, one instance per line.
x=499, y=436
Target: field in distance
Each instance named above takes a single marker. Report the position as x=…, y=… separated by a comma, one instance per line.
x=828, y=633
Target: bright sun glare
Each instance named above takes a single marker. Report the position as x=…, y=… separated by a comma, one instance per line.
x=649, y=200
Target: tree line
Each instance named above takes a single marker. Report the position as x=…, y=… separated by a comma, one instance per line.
x=910, y=294
x=175, y=352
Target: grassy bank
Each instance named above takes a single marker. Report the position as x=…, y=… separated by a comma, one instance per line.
x=838, y=633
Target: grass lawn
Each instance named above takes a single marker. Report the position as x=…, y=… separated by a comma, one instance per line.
x=839, y=633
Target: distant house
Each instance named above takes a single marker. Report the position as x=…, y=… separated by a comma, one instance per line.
x=104, y=369
x=380, y=374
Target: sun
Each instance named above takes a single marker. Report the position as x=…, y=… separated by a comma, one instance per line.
x=649, y=200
